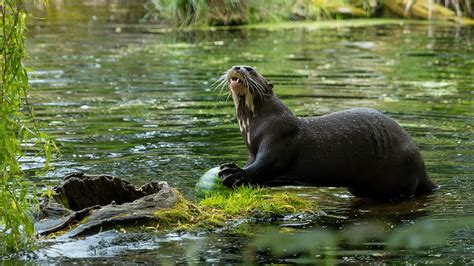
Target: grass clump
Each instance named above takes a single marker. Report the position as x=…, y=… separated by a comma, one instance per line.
x=218, y=208
x=249, y=201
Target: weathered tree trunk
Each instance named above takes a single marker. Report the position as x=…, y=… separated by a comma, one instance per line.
x=106, y=201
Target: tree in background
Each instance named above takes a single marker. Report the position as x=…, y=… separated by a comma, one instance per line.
x=17, y=131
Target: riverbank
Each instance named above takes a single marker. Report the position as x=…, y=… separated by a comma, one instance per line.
x=183, y=14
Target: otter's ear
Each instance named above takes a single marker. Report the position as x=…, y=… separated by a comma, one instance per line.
x=270, y=87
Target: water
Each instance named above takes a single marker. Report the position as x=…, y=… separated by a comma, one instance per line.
x=136, y=101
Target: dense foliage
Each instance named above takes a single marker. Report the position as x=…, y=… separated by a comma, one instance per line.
x=16, y=128
x=237, y=12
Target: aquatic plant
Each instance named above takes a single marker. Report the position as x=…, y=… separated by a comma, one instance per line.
x=17, y=127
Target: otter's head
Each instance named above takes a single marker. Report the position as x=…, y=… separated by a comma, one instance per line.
x=247, y=86
x=243, y=80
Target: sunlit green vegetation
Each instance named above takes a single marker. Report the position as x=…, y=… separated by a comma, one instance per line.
x=231, y=12
x=218, y=208
x=17, y=130
x=245, y=201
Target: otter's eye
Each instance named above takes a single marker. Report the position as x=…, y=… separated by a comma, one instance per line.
x=249, y=69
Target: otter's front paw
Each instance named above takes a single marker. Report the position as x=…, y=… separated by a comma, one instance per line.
x=232, y=175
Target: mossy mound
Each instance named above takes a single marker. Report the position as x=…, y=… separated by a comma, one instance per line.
x=217, y=208
x=245, y=201
x=154, y=205
x=186, y=215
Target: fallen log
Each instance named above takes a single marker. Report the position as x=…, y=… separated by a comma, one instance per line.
x=89, y=203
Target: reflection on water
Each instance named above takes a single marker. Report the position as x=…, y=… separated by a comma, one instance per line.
x=141, y=106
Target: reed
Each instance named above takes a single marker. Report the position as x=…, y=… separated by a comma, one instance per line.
x=238, y=12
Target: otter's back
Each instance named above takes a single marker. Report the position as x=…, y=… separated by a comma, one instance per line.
x=358, y=141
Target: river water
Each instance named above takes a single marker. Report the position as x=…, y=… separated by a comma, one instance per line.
x=137, y=101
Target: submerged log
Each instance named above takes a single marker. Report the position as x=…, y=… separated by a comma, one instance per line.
x=423, y=9
x=426, y=9
x=106, y=201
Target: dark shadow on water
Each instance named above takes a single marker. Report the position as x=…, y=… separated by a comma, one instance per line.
x=406, y=209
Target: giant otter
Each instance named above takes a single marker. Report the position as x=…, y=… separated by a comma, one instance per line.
x=360, y=148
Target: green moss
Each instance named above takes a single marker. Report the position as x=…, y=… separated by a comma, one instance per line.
x=187, y=216
x=218, y=208
x=179, y=215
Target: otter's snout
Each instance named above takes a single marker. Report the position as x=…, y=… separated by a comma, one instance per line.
x=236, y=77
x=243, y=80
